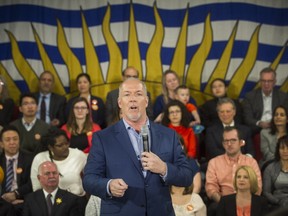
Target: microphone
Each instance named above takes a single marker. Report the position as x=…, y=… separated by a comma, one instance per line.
x=145, y=139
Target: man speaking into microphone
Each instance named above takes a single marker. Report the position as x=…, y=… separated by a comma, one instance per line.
x=131, y=171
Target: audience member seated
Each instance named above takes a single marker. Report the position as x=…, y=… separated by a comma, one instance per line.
x=112, y=108
x=208, y=111
x=244, y=201
x=214, y=134
x=79, y=127
x=170, y=81
x=275, y=178
x=269, y=136
x=97, y=106
x=176, y=117
x=6, y=104
x=182, y=94
x=259, y=104
x=51, y=106
x=70, y=163
x=30, y=128
x=221, y=169
x=51, y=199
x=16, y=166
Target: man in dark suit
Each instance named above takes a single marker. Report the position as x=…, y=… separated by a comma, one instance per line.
x=258, y=105
x=50, y=200
x=16, y=183
x=129, y=180
x=54, y=103
x=112, y=109
x=226, y=110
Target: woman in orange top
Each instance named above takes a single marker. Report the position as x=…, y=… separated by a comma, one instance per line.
x=176, y=117
x=79, y=127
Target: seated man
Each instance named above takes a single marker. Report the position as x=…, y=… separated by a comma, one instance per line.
x=16, y=166
x=30, y=128
x=51, y=200
x=221, y=169
x=51, y=106
x=226, y=110
x=259, y=104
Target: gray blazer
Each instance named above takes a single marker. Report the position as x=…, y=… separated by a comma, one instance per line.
x=268, y=144
x=253, y=105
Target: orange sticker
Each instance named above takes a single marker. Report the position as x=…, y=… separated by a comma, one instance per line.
x=189, y=207
x=94, y=107
x=94, y=102
x=19, y=170
x=37, y=136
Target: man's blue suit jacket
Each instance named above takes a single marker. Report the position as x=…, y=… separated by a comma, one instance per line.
x=112, y=156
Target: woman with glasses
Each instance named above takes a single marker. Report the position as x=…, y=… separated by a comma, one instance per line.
x=96, y=104
x=176, y=117
x=6, y=104
x=79, y=127
x=70, y=163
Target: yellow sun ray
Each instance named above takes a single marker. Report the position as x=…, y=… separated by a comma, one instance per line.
x=194, y=71
x=223, y=63
x=240, y=76
x=71, y=61
x=115, y=61
x=134, y=58
x=179, y=58
x=47, y=64
x=14, y=91
x=92, y=62
x=22, y=65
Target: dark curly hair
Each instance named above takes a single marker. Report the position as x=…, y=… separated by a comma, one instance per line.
x=273, y=128
x=185, y=120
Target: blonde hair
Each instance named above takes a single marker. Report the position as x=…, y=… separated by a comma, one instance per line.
x=252, y=178
x=164, y=86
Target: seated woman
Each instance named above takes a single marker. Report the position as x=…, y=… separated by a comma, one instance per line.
x=270, y=135
x=96, y=104
x=176, y=117
x=70, y=162
x=7, y=104
x=244, y=201
x=275, y=179
x=208, y=111
x=170, y=81
x=79, y=127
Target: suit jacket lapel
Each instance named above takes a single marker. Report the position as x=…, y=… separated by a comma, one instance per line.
x=41, y=202
x=124, y=140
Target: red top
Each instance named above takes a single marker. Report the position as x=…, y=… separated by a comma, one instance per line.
x=188, y=137
x=190, y=107
x=89, y=134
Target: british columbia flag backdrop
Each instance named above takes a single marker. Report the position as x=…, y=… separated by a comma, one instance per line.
x=199, y=39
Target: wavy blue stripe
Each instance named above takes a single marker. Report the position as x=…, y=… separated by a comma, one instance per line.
x=30, y=51
x=170, y=18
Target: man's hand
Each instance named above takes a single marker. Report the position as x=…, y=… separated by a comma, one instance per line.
x=118, y=187
x=153, y=163
x=9, y=197
x=55, y=122
x=264, y=125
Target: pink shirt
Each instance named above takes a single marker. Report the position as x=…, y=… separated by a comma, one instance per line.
x=221, y=171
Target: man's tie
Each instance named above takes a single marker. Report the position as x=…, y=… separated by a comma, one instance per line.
x=49, y=203
x=9, y=175
x=43, y=109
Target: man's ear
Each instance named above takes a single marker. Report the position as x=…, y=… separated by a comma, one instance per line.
x=242, y=142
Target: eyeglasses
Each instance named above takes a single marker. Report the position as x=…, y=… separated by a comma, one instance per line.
x=129, y=76
x=80, y=108
x=174, y=112
x=231, y=141
x=267, y=81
